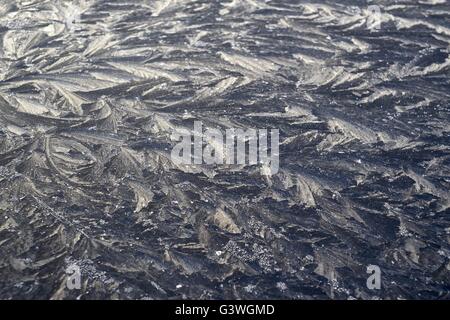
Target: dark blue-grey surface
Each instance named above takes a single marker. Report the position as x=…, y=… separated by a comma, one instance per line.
x=90, y=92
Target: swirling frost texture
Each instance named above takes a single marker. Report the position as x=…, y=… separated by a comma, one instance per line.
x=91, y=90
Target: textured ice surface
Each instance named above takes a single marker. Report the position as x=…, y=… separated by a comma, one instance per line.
x=90, y=92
